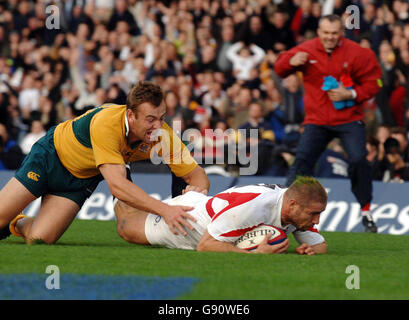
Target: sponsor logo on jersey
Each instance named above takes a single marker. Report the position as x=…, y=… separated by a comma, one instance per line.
x=33, y=176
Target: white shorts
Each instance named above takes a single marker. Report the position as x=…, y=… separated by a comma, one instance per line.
x=157, y=230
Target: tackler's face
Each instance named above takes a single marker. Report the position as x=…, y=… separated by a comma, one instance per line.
x=146, y=121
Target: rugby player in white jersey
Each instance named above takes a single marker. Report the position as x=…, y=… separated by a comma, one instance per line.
x=223, y=218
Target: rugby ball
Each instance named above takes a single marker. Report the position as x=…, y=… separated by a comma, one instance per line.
x=252, y=238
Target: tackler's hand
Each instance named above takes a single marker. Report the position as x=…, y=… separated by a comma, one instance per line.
x=194, y=188
x=177, y=219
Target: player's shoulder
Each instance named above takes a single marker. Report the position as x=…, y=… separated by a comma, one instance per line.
x=109, y=111
x=113, y=108
x=109, y=119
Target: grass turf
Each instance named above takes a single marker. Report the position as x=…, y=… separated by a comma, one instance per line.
x=93, y=247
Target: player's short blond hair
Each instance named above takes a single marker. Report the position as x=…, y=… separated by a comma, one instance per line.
x=306, y=190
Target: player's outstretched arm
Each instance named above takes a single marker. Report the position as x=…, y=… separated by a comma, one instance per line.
x=208, y=243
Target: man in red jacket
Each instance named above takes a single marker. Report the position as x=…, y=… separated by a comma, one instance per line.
x=338, y=77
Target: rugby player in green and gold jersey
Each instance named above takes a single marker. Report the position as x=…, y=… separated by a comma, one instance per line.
x=65, y=166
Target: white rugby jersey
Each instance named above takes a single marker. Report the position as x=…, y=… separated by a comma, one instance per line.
x=231, y=213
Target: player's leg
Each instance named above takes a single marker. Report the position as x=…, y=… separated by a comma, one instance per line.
x=137, y=226
x=312, y=144
x=54, y=217
x=14, y=197
x=30, y=182
x=353, y=138
x=130, y=223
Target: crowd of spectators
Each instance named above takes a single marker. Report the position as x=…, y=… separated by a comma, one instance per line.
x=214, y=59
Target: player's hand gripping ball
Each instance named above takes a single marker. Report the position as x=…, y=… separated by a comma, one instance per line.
x=252, y=238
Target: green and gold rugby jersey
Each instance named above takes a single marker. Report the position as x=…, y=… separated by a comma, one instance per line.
x=99, y=136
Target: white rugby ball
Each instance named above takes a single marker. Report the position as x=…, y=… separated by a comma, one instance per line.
x=252, y=238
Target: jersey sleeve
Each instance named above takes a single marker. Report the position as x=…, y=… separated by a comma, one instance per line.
x=175, y=154
x=282, y=66
x=367, y=75
x=310, y=237
x=107, y=135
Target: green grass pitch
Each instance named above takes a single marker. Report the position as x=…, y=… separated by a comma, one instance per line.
x=93, y=247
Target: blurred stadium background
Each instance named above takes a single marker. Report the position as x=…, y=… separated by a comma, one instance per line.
x=58, y=59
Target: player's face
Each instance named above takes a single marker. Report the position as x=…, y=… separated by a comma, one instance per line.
x=305, y=217
x=146, y=121
x=329, y=33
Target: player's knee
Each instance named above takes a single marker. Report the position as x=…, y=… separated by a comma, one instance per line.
x=120, y=229
x=123, y=230
x=40, y=236
x=36, y=239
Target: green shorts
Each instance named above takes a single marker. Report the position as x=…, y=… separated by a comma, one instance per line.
x=43, y=173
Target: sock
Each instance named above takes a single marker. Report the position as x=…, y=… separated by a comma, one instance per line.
x=12, y=225
x=366, y=208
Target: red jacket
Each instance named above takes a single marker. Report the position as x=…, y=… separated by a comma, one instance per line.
x=348, y=60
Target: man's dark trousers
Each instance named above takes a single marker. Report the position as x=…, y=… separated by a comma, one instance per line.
x=314, y=141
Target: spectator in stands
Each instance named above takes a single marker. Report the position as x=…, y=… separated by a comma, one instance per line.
x=387, y=60
x=392, y=167
x=187, y=103
x=304, y=24
x=121, y=13
x=29, y=97
x=240, y=98
x=244, y=59
x=253, y=31
x=274, y=107
x=207, y=59
x=215, y=98
x=36, y=132
x=283, y=35
x=333, y=162
x=227, y=40
x=11, y=155
x=256, y=121
x=372, y=146
x=172, y=107
x=115, y=44
x=401, y=135
x=21, y=17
